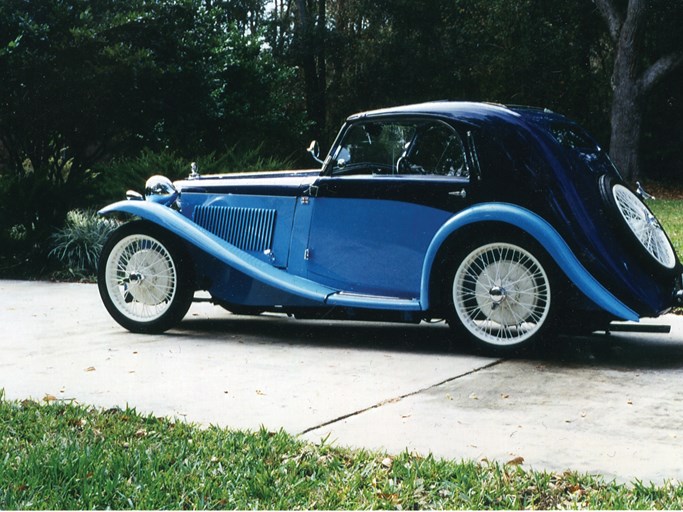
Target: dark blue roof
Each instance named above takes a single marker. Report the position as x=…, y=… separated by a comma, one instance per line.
x=473, y=112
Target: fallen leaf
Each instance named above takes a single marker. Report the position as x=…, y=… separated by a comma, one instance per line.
x=49, y=398
x=387, y=462
x=474, y=397
x=629, y=402
x=517, y=461
x=448, y=397
x=576, y=488
x=90, y=369
x=504, y=396
x=259, y=392
x=141, y=433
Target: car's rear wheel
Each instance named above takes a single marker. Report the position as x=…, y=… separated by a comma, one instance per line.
x=500, y=294
x=142, y=279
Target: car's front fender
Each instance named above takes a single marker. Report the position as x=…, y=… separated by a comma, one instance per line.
x=544, y=233
x=232, y=256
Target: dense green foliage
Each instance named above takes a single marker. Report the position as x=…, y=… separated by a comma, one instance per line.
x=90, y=86
x=78, y=245
x=86, y=82
x=61, y=456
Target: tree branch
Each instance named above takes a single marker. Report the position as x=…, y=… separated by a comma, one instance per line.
x=614, y=19
x=662, y=67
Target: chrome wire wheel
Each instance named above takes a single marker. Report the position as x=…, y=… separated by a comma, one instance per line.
x=141, y=278
x=144, y=279
x=645, y=226
x=501, y=295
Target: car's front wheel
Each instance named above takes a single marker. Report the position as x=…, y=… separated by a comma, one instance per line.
x=142, y=280
x=500, y=297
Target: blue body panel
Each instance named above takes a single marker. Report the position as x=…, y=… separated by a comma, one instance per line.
x=371, y=246
x=300, y=290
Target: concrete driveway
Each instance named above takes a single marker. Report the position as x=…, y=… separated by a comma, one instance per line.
x=608, y=405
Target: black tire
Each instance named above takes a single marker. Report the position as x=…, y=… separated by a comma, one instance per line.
x=638, y=226
x=500, y=295
x=143, y=278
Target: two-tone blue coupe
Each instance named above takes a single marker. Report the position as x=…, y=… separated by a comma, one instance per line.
x=508, y=222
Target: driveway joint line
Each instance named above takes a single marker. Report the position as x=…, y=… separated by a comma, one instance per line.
x=399, y=398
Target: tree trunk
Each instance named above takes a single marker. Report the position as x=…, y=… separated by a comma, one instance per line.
x=630, y=83
x=625, y=137
x=626, y=108
x=312, y=55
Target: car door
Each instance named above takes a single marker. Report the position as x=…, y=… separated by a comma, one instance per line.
x=390, y=186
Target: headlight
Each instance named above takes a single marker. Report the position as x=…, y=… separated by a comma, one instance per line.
x=160, y=190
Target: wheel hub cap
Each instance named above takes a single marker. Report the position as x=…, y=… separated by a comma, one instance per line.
x=135, y=277
x=497, y=294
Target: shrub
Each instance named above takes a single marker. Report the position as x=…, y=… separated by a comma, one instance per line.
x=77, y=246
x=113, y=178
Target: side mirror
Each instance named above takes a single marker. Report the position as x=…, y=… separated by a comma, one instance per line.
x=314, y=150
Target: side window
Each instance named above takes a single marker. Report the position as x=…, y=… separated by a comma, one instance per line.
x=401, y=147
x=438, y=149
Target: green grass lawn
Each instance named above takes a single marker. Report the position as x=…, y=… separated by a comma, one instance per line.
x=670, y=214
x=61, y=456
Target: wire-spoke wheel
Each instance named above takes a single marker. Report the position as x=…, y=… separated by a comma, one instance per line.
x=501, y=296
x=141, y=279
x=645, y=226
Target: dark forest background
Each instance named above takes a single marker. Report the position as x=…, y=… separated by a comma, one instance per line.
x=96, y=95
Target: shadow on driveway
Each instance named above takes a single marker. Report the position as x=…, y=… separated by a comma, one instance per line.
x=615, y=350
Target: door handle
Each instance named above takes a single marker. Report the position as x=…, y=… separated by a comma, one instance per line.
x=459, y=193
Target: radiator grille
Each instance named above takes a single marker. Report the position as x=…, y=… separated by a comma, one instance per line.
x=250, y=229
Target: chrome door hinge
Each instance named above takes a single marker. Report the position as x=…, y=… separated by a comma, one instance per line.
x=307, y=254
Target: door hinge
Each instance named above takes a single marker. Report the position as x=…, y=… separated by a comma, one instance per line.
x=307, y=254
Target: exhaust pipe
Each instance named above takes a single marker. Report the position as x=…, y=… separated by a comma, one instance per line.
x=678, y=296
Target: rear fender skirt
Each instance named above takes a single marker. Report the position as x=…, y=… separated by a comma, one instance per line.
x=544, y=233
x=229, y=254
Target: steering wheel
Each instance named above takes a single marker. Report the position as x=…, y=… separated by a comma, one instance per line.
x=405, y=166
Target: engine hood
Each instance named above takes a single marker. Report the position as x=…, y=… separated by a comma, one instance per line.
x=248, y=182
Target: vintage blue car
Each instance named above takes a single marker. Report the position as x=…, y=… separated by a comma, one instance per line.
x=508, y=222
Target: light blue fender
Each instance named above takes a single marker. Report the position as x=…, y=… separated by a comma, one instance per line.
x=229, y=254
x=544, y=233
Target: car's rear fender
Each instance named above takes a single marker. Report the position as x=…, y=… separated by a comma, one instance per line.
x=539, y=229
x=230, y=255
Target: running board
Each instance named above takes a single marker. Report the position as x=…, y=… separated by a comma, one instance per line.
x=357, y=300
x=644, y=328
